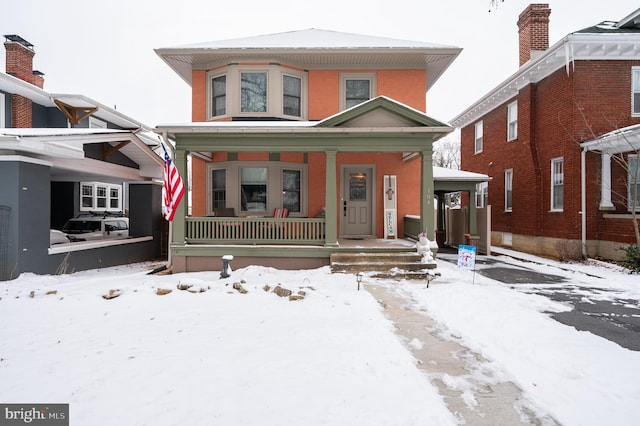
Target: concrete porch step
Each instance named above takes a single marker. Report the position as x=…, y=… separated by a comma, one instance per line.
x=389, y=265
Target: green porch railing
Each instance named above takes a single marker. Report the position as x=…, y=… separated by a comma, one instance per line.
x=244, y=230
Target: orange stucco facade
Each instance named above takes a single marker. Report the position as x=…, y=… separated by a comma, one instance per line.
x=323, y=94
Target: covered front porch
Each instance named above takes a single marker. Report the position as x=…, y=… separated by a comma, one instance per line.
x=383, y=135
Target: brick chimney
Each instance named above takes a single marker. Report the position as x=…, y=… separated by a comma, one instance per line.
x=19, y=63
x=533, y=29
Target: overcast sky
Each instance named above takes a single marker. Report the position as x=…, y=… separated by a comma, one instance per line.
x=104, y=50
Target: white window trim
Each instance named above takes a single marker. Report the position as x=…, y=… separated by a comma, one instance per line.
x=510, y=107
x=274, y=185
x=508, y=186
x=94, y=204
x=275, y=75
x=635, y=74
x=629, y=179
x=554, y=161
x=478, y=137
x=482, y=193
x=371, y=76
x=2, y=111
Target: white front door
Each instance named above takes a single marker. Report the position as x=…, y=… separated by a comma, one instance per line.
x=357, y=201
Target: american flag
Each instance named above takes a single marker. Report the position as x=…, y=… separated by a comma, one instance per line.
x=173, y=187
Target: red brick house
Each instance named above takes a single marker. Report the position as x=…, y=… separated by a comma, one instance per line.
x=539, y=135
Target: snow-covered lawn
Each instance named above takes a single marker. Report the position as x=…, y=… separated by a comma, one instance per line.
x=213, y=355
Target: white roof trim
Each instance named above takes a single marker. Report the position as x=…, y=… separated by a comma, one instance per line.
x=574, y=47
x=617, y=141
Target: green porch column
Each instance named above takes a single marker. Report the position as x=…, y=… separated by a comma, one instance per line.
x=330, y=202
x=179, y=223
x=427, y=217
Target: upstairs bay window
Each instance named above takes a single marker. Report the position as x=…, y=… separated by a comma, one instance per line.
x=256, y=92
x=253, y=92
x=291, y=95
x=219, y=95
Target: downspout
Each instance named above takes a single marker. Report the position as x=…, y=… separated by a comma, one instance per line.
x=583, y=200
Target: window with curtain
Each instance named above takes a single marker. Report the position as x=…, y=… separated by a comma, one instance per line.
x=512, y=121
x=508, y=190
x=253, y=189
x=557, y=184
x=478, y=137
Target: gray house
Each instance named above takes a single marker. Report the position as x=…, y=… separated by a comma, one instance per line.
x=66, y=155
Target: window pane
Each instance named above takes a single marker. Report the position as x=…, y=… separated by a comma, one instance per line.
x=253, y=188
x=512, y=118
x=357, y=91
x=253, y=92
x=508, y=180
x=636, y=103
x=87, y=196
x=358, y=187
x=114, y=198
x=219, y=95
x=636, y=80
x=219, y=189
x=291, y=190
x=291, y=94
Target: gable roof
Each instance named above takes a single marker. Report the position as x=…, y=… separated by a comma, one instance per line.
x=609, y=41
x=313, y=49
x=412, y=116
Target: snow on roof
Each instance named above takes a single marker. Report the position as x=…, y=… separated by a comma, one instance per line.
x=62, y=131
x=446, y=174
x=312, y=38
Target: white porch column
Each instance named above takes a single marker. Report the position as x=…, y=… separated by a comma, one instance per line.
x=605, y=182
x=331, y=200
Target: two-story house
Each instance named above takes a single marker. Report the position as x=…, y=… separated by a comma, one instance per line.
x=63, y=155
x=561, y=186
x=326, y=127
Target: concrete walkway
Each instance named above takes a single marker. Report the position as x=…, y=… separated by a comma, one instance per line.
x=470, y=391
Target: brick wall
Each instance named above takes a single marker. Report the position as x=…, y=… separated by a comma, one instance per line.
x=554, y=117
x=533, y=29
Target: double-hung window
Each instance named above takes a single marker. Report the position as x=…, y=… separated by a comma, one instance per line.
x=482, y=194
x=253, y=92
x=633, y=162
x=508, y=190
x=219, y=95
x=478, y=138
x=253, y=189
x=218, y=189
x=557, y=184
x=291, y=95
x=512, y=121
x=291, y=192
x=100, y=196
x=635, y=91
x=356, y=89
